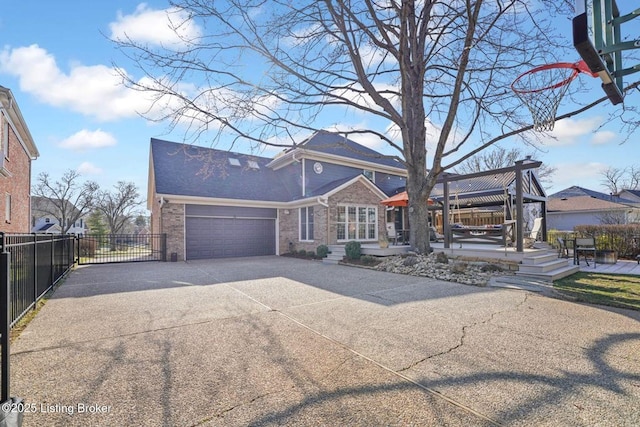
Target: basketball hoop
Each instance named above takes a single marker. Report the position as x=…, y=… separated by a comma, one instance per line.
x=542, y=88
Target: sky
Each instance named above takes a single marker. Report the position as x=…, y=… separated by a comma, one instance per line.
x=57, y=59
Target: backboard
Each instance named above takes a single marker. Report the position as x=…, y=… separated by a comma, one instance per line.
x=597, y=38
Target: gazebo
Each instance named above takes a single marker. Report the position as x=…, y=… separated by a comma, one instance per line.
x=510, y=187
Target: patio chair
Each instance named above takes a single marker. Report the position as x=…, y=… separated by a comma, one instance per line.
x=563, y=249
x=392, y=234
x=537, y=228
x=585, y=246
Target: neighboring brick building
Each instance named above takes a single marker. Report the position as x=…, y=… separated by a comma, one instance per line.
x=17, y=152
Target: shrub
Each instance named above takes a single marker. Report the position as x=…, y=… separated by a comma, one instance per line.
x=353, y=250
x=322, y=251
x=369, y=260
x=311, y=254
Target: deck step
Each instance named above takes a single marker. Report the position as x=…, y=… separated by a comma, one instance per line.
x=540, y=258
x=543, y=267
x=336, y=253
x=552, y=275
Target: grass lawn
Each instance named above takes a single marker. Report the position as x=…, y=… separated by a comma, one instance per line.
x=606, y=289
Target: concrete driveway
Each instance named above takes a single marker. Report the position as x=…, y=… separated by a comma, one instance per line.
x=280, y=341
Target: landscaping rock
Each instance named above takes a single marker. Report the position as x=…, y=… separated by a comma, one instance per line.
x=440, y=266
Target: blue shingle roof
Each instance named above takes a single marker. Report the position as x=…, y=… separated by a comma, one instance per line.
x=336, y=144
x=187, y=170
x=576, y=191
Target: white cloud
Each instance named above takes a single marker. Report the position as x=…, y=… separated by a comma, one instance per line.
x=368, y=140
x=604, y=137
x=569, y=131
x=583, y=174
x=88, y=168
x=85, y=139
x=90, y=90
x=165, y=27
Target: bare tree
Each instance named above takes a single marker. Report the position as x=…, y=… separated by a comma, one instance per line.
x=67, y=200
x=615, y=179
x=612, y=178
x=118, y=207
x=499, y=157
x=433, y=75
x=613, y=218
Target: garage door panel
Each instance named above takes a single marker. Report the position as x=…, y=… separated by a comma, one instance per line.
x=229, y=237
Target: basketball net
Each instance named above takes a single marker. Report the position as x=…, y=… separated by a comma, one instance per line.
x=542, y=88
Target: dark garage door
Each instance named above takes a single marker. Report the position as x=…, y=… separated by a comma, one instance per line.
x=223, y=231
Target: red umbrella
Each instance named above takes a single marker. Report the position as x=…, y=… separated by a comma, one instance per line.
x=400, y=199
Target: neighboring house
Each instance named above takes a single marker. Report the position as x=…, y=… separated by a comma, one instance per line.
x=633, y=195
x=43, y=219
x=214, y=203
x=17, y=151
x=580, y=206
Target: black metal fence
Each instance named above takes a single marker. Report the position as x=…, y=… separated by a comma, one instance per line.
x=111, y=248
x=30, y=265
x=37, y=262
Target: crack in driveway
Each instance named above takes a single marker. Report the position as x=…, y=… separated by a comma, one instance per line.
x=464, y=335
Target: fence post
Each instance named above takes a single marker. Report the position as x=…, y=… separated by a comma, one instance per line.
x=35, y=267
x=52, y=270
x=5, y=318
x=163, y=245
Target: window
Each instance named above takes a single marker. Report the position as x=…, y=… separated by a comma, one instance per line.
x=253, y=164
x=357, y=223
x=369, y=174
x=234, y=162
x=306, y=223
x=7, y=208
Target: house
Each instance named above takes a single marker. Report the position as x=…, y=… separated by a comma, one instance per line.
x=44, y=220
x=633, y=195
x=580, y=206
x=213, y=203
x=17, y=151
x=326, y=190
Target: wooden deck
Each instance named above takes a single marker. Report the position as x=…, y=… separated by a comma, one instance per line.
x=475, y=250
x=620, y=267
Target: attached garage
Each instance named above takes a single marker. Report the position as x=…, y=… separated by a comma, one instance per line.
x=228, y=231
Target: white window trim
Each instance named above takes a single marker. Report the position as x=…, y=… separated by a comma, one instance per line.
x=347, y=206
x=306, y=212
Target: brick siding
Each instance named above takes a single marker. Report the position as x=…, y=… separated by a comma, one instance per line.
x=18, y=185
x=325, y=233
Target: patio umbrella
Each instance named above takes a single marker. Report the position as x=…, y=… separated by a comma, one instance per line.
x=400, y=199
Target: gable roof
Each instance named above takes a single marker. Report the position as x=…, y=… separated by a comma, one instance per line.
x=338, y=145
x=187, y=170
x=632, y=193
x=582, y=203
x=325, y=145
x=14, y=115
x=577, y=191
x=340, y=184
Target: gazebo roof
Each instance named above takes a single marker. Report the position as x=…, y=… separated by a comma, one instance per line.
x=489, y=189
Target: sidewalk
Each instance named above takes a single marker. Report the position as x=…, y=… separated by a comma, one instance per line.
x=274, y=340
